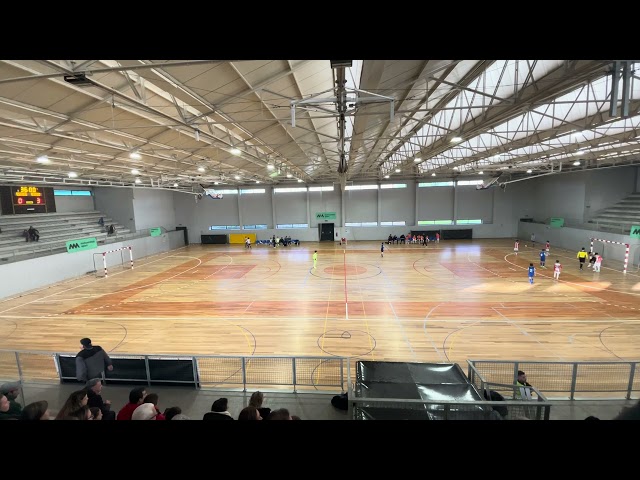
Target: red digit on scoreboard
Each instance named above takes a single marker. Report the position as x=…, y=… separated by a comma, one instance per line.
x=38, y=200
x=20, y=200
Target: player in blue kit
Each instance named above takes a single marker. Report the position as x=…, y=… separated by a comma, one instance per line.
x=543, y=257
x=532, y=272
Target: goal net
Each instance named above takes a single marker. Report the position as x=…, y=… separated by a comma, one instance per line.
x=601, y=244
x=114, y=260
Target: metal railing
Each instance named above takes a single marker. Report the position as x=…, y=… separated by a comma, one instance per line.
x=201, y=371
x=569, y=378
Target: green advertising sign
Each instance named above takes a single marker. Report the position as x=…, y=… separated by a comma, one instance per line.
x=635, y=231
x=556, y=222
x=155, y=232
x=81, y=244
x=325, y=215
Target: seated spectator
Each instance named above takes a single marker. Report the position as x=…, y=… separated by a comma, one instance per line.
x=34, y=234
x=171, y=412
x=629, y=413
x=153, y=398
x=96, y=413
x=341, y=402
x=101, y=222
x=94, y=390
x=25, y=234
x=76, y=402
x=390, y=239
x=181, y=416
x=218, y=411
x=83, y=413
x=256, y=401
x=136, y=398
x=146, y=411
x=249, y=413
x=36, y=411
x=4, y=409
x=111, y=230
x=280, y=414
x=11, y=390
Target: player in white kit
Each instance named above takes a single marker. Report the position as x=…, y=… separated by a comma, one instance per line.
x=516, y=246
x=557, y=268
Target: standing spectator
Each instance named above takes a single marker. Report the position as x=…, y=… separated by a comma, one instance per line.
x=11, y=390
x=36, y=411
x=218, y=411
x=94, y=390
x=582, y=257
x=136, y=398
x=91, y=361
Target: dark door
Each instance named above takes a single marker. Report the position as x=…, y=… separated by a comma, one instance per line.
x=326, y=231
x=186, y=235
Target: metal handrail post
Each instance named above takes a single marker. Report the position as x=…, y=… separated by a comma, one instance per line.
x=293, y=366
x=631, y=378
x=574, y=379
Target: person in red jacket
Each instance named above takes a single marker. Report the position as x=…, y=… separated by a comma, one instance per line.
x=136, y=398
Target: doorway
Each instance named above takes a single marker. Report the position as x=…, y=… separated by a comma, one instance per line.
x=186, y=235
x=326, y=231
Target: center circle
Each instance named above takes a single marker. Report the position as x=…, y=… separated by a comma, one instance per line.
x=342, y=270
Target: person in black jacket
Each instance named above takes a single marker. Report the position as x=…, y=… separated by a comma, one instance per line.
x=91, y=361
x=256, y=401
x=219, y=411
x=94, y=389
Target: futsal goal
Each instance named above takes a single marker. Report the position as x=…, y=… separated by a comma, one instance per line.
x=615, y=245
x=112, y=260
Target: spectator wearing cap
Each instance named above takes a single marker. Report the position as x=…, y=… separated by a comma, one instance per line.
x=136, y=398
x=219, y=411
x=94, y=390
x=146, y=411
x=11, y=390
x=91, y=361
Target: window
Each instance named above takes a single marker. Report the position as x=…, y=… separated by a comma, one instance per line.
x=393, y=185
x=321, y=189
x=254, y=227
x=290, y=189
x=361, y=187
x=435, y=222
x=468, y=222
x=233, y=191
x=470, y=182
x=224, y=227
x=389, y=224
x=361, y=224
x=74, y=193
x=245, y=191
x=436, y=184
x=293, y=225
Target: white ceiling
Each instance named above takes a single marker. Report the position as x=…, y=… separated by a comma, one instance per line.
x=184, y=117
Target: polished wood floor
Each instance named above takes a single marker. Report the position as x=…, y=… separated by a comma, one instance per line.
x=453, y=301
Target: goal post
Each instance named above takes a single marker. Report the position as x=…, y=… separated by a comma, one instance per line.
x=625, y=245
x=111, y=259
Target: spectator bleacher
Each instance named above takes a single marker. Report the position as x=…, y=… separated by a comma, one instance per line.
x=55, y=230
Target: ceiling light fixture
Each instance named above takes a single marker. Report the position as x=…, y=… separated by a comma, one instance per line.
x=43, y=159
x=201, y=169
x=397, y=170
x=216, y=183
x=197, y=135
x=237, y=177
x=175, y=184
x=299, y=180
x=580, y=152
x=72, y=174
x=480, y=172
x=270, y=167
x=138, y=180
x=529, y=171
x=576, y=163
x=289, y=175
x=235, y=151
x=386, y=176
x=456, y=139
x=455, y=168
x=417, y=159
x=257, y=181
x=135, y=156
x=135, y=171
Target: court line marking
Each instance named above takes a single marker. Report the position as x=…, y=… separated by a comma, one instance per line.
x=364, y=311
x=424, y=328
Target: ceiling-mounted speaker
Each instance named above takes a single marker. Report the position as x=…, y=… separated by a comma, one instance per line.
x=79, y=79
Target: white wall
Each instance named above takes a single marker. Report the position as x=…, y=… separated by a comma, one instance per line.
x=290, y=207
x=117, y=203
x=66, y=204
x=153, y=208
x=64, y=266
x=255, y=209
x=435, y=203
x=576, y=197
x=361, y=205
x=398, y=204
x=325, y=202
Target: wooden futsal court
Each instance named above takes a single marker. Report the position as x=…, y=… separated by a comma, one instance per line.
x=448, y=302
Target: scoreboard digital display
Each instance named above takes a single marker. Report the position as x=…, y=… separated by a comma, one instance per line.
x=27, y=195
